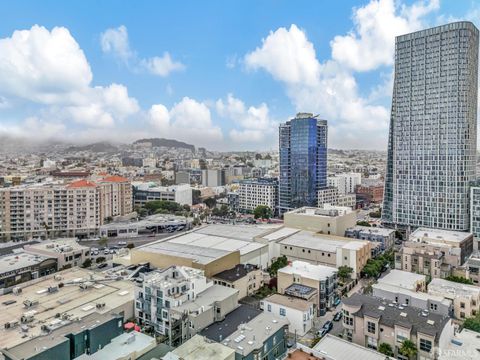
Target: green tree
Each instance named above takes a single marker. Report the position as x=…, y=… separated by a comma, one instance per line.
x=344, y=272
x=258, y=156
x=376, y=214
x=100, y=259
x=262, y=212
x=472, y=323
x=363, y=223
x=130, y=246
x=279, y=263
x=87, y=263
x=196, y=196
x=459, y=279
x=163, y=207
x=210, y=202
x=408, y=348
x=103, y=241
x=385, y=349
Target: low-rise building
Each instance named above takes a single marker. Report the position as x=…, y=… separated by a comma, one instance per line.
x=405, y=280
x=386, y=237
x=465, y=298
x=328, y=250
x=179, y=302
x=330, y=220
x=434, y=252
x=299, y=313
x=331, y=195
x=255, y=192
x=472, y=267
x=201, y=348
x=21, y=267
x=145, y=192
x=464, y=345
x=369, y=321
x=322, y=278
x=246, y=278
x=68, y=252
x=251, y=333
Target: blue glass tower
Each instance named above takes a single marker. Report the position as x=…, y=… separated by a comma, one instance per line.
x=303, y=161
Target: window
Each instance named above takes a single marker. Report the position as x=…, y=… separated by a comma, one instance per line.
x=269, y=308
x=283, y=312
x=371, y=327
x=425, y=345
x=462, y=305
x=433, y=306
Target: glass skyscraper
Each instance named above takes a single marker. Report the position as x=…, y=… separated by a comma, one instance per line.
x=303, y=161
x=433, y=128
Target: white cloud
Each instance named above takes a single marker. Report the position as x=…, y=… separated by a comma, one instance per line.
x=329, y=88
x=188, y=120
x=372, y=41
x=253, y=124
x=115, y=41
x=162, y=66
x=287, y=55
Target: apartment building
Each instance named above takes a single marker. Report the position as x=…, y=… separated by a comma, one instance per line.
x=321, y=278
x=434, y=252
x=472, y=267
x=385, y=237
x=246, y=278
x=330, y=220
x=179, y=302
x=199, y=347
x=369, y=321
x=255, y=192
x=372, y=190
x=465, y=298
x=345, y=183
x=54, y=210
x=145, y=192
x=299, y=312
x=331, y=195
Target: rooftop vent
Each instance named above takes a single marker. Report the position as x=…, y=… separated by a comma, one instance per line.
x=403, y=314
x=430, y=322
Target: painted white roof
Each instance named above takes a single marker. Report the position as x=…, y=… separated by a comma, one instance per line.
x=307, y=270
x=403, y=279
x=433, y=235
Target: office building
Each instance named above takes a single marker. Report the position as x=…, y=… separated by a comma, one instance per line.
x=213, y=177
x=303, y=161
x=182, y=177
x=369, y=321
x=432, y=143
x=255, y=192
x=331, y=196
x=319, y=277
x=145, y=192
x=475, y=213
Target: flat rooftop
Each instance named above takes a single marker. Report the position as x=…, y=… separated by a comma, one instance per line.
x=307, y=270
x=69, y=300
x=57, y=245
x=122, y=347
x=451, y=289
x=200, y=348
x=438, y=235
x=280, y=234
x=334, y=348
x=465, y=342
x=414, y=294
x=402, y=279
x=237, y=232
x=372, y=230
x=315, y=241
x=331, y=211
x=19, y=260
x=235, y=273
x=289, y=302
x=206, y=298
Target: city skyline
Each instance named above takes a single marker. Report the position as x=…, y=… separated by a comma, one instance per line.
x=121, y=80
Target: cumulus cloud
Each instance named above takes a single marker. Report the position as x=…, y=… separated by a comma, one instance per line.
x=371, y=43
x=253, y=124
x=188, y=120
x=329, y=88
x=115, y=41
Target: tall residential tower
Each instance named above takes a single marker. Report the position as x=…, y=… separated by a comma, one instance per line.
x=303, y=161
x=433, y=128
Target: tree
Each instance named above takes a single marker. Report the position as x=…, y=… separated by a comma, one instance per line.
x=459, y=279
x=472, y=323
x=87, y=263
x=130, y=246
x=344, y=272
x=258, y=156
x=210, y=202
x=100, y=259
x=363, y=223
x=103, y=241
x=408, y=348
x=262, y=212
x=385, y=349
x=163, y=207
x=376, y=214
x=279, y=263
x=196, y=196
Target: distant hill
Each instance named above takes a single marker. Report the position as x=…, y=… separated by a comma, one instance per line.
x=100, y=147
x=158, y=142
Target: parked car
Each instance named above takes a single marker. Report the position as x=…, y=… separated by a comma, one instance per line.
x=106, y=252
x=337, y=316
x=321, y=333
x=328, y=325
x=122, y=243
x=102, y=265
x=337, y=302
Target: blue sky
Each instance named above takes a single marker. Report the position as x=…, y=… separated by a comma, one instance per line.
x=220, y=74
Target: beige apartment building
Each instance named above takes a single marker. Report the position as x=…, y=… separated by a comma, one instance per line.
x=465, y=298
x=369, y=321
x=330, y=220
x=246, y=278
x=434, y=252
x=62, y=210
